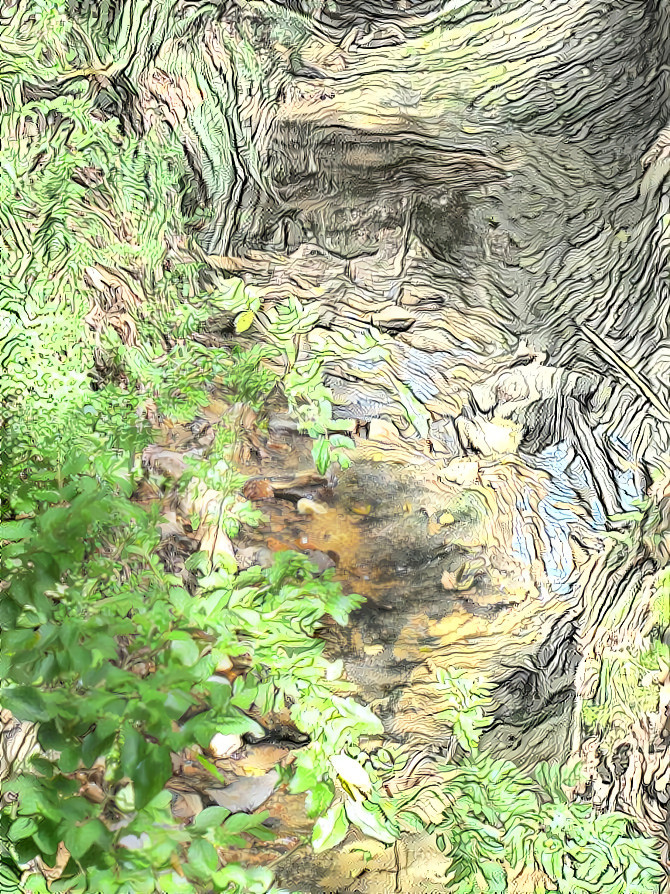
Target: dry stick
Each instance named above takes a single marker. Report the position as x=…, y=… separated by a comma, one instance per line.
x=630, y=373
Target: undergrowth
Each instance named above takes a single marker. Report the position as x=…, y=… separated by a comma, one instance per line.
x=111, y=655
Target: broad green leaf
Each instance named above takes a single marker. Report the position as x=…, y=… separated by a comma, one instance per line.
x=330, y=829
x=318, y=798
x=321, y=455
x=368, y=822
x=210, y=817
x=203, y=859
x=14, y=531
x=151, y=774
x=241, y=822
x=22, y=827
x=80, y=838
x=184, y=648
x=26, y=703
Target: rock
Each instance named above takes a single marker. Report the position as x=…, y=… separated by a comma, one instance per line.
x=490, y=438
x=249, y=556
x=305, y=484
x=282, y=424
x=449, y=580
x=306, y=506
x=382, y=430
x=186, y=805
x=170, y=527
x=442, y=434
x=257, y=760
x=394, y=318
x=218, y=546
x=322, y=560
x=223, y=745
x=461, y=471
x=168, y=462
x=134, y=842
x=246, y=794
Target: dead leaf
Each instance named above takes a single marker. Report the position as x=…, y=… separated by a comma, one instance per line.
x=186, y=805
x=258, y=489
x=167, y=462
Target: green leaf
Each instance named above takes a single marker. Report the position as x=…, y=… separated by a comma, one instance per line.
x=242, y=822
x=552, y=860
x=22, y=827
x=151, y=774
x=184, y=648
x=368, y=823
x=321, y=455
x=13, y=531
x=210, y=818
x=367, y=720
x=467, y=728
x=330, y=829
x=26, y=703
x=69, y=759
x=305, y=775
x=318, y=798
x=203, y=859
x=132, y=748
x=79, y=839
x=244, y=321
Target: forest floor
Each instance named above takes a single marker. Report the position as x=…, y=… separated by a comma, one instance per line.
x=426, y=539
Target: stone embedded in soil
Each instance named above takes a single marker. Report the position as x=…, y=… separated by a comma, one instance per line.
x=223, y=745
x=246, y=794
x=306, y=506
x=322, y=560
x=186, y=805
x=461, y=471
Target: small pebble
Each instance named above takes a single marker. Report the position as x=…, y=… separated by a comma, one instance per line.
x=310, y=507
x=223, y=745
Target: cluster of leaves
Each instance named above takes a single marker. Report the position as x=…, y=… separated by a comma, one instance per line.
x=87, y=608
x=102, y=648
x=309, y=400
x=494, y=820
x=501, y=819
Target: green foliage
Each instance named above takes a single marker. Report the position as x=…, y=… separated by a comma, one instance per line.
x=494, y=818
x=491, y=818
x=84, y=579
x=105, y=650
x=327, y=451
x=465, y=702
